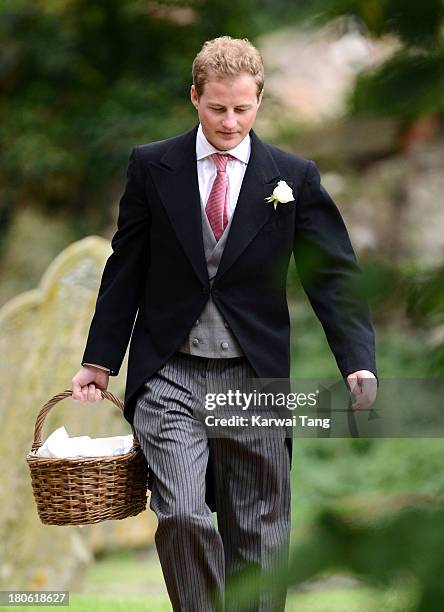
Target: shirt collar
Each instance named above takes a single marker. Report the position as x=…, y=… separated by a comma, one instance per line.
x=204, y=148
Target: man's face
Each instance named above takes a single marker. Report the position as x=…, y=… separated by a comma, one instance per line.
x=227, y=109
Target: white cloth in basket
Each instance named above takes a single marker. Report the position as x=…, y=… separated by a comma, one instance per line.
x=59, y=444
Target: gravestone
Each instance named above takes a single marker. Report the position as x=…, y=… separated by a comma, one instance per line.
x=42, y=337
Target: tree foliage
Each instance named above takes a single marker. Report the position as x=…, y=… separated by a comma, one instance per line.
x=411, y=82
x=81, y=81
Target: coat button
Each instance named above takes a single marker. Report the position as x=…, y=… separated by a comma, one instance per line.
x=224, y=345
x=195, y=342
x=226, y=324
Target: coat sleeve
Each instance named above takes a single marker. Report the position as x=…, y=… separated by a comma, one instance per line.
x=331, y=277
x=123, y=278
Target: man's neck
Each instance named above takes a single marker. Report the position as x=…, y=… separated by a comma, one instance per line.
x=204, y=147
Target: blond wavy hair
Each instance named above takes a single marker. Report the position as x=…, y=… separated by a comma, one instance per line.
x=227, y=57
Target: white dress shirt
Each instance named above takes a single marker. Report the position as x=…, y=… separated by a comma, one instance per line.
x=206, y=168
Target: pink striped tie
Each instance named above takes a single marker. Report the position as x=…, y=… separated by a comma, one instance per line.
x=216, y=207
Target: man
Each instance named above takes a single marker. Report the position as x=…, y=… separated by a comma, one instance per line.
x=201, y=255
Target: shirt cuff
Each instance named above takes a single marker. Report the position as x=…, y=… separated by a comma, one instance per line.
x=97, y=366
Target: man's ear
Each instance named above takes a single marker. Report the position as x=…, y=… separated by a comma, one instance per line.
x=261, y=95
x=194, y=97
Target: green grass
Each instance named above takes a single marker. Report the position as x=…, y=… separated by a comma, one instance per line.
x=340, y=600
x=136, y=569
x=350, y=600
x=360, y=599
x=103, y=603
x=132, y=581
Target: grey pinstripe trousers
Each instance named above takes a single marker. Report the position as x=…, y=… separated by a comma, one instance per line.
x=251, y=475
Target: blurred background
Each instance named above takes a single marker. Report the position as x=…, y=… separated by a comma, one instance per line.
x=355, y=85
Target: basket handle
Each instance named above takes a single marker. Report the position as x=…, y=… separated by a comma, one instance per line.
x=60, y=396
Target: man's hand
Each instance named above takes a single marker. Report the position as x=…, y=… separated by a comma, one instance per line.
x=88, y=383
x=363, y=385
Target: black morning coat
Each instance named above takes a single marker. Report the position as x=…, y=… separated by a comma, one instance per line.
x=156, y=277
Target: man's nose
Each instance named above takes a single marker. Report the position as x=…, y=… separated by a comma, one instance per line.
x=229, y=122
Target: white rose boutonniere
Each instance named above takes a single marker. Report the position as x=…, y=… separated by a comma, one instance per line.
x=282, y=194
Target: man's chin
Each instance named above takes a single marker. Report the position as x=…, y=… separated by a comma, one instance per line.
x=226, y=142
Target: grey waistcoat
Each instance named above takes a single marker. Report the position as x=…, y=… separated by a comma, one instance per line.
x=211, y=336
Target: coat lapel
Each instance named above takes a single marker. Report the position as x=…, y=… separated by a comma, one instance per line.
x=178, y=187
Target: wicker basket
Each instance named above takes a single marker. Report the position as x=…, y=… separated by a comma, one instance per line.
x=82, y=490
